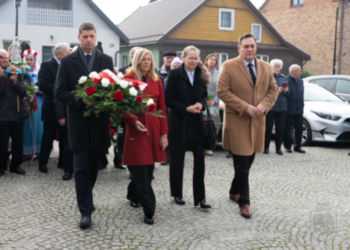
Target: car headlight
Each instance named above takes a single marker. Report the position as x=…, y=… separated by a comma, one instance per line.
x=327, y=116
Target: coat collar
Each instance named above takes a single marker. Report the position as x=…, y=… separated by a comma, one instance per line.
x=81, y=64
x=53, y=60
x=185, y=76
x=245, y=72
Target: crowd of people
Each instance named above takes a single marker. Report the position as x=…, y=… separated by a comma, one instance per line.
x=181, y=89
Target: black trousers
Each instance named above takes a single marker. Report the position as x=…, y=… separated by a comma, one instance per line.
x=240, y=183
x=297, y=121
x=279, y=117
x=85, y=175
x=13, y=130
x=140, y=189
x=177, y=159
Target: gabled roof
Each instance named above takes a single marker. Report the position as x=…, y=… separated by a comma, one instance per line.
x=263, y=5
x=103, y=16
x=153, y=22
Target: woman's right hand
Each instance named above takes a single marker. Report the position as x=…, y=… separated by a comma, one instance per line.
x=193, y=109
x=140, y=127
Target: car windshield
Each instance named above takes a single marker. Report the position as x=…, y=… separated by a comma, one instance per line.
x=315, y=93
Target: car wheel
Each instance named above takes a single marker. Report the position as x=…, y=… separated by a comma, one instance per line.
x=306, y=135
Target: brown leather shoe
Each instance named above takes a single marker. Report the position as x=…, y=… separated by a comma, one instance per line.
x=235, y=197
x=245, y=211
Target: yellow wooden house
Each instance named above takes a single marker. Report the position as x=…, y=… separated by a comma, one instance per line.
x=214, y=26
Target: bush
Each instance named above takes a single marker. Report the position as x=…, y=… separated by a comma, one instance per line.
x=305, y=74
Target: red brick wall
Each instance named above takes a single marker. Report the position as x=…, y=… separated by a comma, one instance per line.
x=311, y=28
x=345, y=69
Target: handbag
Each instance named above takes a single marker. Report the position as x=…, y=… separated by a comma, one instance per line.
x=210, y=138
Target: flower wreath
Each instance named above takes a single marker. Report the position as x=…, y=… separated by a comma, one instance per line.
x=31, y=52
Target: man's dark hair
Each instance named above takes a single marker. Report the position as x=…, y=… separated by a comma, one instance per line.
x=86, y=26
x=244, y=37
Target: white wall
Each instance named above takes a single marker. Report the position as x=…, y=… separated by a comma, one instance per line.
x=39, y=36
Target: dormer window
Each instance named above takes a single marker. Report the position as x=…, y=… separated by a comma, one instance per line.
x=226, y=19
x=297, y=2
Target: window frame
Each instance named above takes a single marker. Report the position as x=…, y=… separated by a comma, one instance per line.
x=232, y=28
x=260, y=33
x=260, y=55
x=299, y=3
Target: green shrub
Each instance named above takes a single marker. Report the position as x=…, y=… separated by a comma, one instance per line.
x=305, y=74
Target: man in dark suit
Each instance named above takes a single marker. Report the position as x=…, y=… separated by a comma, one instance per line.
x=89, y=137
x=47, y=77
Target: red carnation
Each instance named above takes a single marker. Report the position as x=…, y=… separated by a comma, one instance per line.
x=138, y=99
x=136, y=86
x=96, y=80
x=118, y=96
x=151, y=107
x=90, y=90
x=113, y=131
x=110, y=124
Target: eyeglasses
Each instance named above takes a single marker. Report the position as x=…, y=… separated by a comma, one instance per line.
x=193, y=59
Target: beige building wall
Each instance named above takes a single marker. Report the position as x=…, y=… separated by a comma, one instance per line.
x=311, y=27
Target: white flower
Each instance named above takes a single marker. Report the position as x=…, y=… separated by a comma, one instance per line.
x=105, y=82
x=114, y=137
x=93, y=74
x=133, y=91
x=82, y=79
x=150, y=101
x=124, y=84
x=143, y=86
x=120, y=75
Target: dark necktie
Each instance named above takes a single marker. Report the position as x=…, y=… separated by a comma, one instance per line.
x=251, y=71
x=88, y=57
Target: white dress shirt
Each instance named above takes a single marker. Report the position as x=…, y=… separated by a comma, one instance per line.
x=56, y=60
x=191, y=76
x=253, y=67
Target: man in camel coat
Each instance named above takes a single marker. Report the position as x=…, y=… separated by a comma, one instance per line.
x=247, y=87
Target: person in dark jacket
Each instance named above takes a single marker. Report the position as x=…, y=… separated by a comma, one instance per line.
x=278, y=112
x=185, y=96
x=168, y=57
x=12, y=116
x=52, y=123
x=131, y=54
x=89, y=136
x=295, y=110
x=99, y=46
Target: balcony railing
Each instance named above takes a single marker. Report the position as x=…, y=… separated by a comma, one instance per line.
x=50, y=17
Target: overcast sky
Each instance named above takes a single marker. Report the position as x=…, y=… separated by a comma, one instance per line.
x=121, y=9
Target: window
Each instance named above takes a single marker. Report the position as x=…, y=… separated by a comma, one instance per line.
x=342, y=87
x=222, y=57
x=297, y=2
x=264, y=58
x=48, y=52
x=125, y=60
x=179, y=54
x=226, y=19
x=256, y=31
x=325, y=83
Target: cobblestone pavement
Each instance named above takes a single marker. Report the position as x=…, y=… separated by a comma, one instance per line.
x=298, y=202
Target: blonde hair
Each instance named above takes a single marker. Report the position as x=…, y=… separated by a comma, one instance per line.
x=138, y=56
x=188, y=49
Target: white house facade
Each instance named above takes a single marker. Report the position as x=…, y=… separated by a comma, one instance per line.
x=44, y=23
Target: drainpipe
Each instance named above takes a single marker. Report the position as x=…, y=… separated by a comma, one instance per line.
x=341, y=36
x=117, y=52
x=335, y=41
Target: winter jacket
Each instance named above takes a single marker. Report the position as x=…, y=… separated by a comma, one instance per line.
x=295, y=100
x=8, y=99
x=281, y=102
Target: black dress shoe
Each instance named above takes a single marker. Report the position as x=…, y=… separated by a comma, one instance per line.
x=179, y=201
x=102, y=165
x=43, y=168
x=166, y=162
x=203, y=204
x=289, y=150
x=299, y=150
x=229, y=154
x=149, y=221
x=279, y=152
x=266, y=151
x=67, y=176
x=134, y=204
x=17, y=170
x=85, y=221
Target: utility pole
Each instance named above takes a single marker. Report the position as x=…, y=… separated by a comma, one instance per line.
x=17, y=4
x=335, y=42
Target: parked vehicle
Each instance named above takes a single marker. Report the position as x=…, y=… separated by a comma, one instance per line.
x=337, y=84
x=326, y=116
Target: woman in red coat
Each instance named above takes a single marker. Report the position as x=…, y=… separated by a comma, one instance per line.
x=146, y=137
